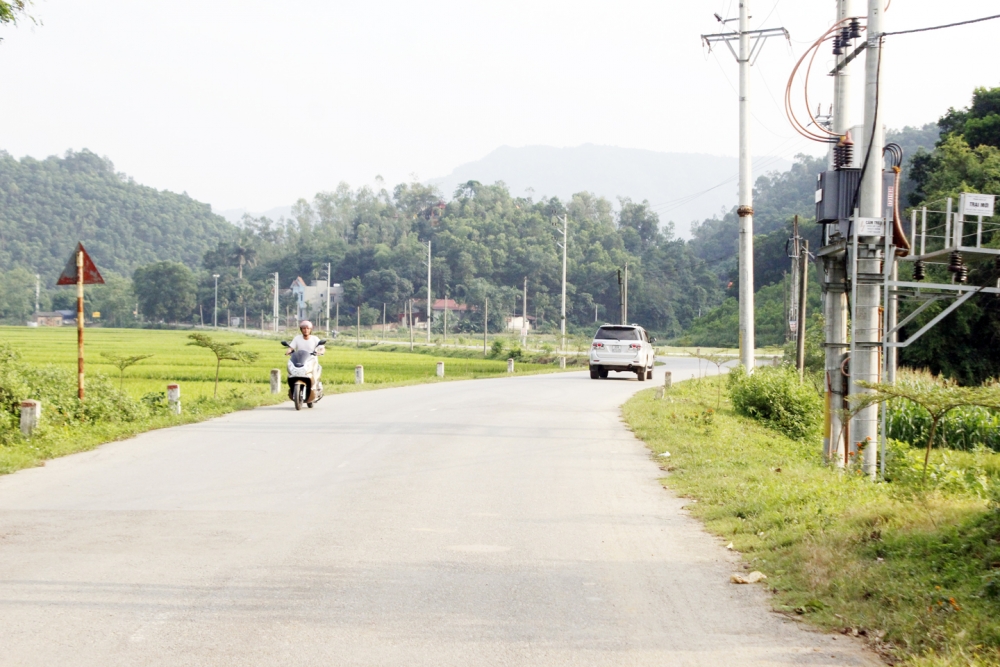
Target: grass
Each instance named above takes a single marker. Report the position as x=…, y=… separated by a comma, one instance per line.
x=914, y=569
x=193, y=368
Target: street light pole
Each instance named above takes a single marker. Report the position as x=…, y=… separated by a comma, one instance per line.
x=215, y=306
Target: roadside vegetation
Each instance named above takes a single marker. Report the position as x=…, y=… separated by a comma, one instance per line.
x=128, y=371
x=912, y=563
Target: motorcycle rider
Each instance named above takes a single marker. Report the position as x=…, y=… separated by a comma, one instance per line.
x=306, y=341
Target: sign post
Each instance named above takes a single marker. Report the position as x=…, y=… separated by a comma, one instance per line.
x=80, y=270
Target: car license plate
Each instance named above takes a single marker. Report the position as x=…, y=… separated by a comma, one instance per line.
x=616, y=348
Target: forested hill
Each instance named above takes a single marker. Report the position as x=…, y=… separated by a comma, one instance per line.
x=46, y=206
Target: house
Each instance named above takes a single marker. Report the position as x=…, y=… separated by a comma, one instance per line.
x=518, y=324
x=310, y=300
x=50, y=319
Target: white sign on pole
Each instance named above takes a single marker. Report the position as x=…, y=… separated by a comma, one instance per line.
x=978, y=204
x=869, y=226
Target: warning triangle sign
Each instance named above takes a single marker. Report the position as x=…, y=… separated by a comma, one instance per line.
x=91, y=276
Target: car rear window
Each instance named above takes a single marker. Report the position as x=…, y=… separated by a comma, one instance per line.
x=617, y=333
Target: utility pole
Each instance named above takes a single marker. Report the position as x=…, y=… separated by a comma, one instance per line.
x=524, y=313
x=793, y=307
x=38, y=290
x=562, y=325
x=215, y=306
x=625, y=299
x=383, y=322
x=621, y=299
x=428, y=292
x=865, y=318
x=275, y=304
x=835, y=276
x=800, y=333
x=409, y=303
x=745, y=58
x=486, y=322
x=329, y=286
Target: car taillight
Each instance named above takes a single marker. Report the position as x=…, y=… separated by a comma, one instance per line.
x=635, y=346
x=598, y=344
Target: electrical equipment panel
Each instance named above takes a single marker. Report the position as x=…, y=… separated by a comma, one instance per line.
x=836, y=191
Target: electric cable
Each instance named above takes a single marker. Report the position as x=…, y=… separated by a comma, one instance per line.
x=940, y=27
x=789, y=110
x=868, y=152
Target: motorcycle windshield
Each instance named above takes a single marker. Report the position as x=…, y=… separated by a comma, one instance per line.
x=299, y=358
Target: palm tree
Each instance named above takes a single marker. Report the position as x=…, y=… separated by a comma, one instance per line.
x=243, y=252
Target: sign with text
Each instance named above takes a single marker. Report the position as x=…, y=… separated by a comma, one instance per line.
x=869, y=226
x=978, y=204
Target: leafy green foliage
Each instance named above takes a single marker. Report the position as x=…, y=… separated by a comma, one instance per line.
x=775, y=395
x=121, y=363
x=10, y=10
x=223, y=352
x=46, y=206
x=937, y=399
x=166, y=291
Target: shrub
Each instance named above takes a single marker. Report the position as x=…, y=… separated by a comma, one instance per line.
x=775, y=396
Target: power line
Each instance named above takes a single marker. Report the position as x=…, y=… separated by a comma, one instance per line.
x=939, y=27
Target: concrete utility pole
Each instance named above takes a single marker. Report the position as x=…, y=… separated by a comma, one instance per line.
x=835, y=278
x=215, y=306
x=38, y=290
x=562, y=326
x=486, y=322
x=800, y=334
x=524, y=314
x=428, y=292
x=625, y=298
x=275, y=304
x=745, y=58
x=409, y=317
x=329, y=286
x=866, y=320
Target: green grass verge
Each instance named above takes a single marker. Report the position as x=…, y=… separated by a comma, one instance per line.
x=916, y=570
x=241, y=387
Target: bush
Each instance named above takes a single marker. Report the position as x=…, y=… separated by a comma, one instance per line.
x=775, y=396
x=56, y=388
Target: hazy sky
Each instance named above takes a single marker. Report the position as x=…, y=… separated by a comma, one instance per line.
x=253, y=104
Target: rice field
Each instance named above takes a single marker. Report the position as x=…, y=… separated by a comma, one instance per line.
x=193, y=368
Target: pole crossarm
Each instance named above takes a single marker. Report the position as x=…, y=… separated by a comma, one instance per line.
x=854, y=54
x=940, y=316
x=760, y=35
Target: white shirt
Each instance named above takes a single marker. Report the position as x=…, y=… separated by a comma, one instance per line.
x=311, y=345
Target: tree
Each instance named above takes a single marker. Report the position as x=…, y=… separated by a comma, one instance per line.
x=937, y=400
x=222, y=352
x=166, y=291
x=242, y=253
x=121, y=363
x=10, y=10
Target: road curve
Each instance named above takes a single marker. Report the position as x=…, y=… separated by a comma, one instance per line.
x=511, y=521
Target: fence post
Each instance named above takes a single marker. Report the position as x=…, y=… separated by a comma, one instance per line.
x=510, y=365
x=667, y=381
x=562, y=362
x=359, y=375
x=275, y=380
x=31, y=414
x=440, y=369
x=174, y=398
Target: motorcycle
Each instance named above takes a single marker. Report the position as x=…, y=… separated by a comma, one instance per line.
x=304, y=373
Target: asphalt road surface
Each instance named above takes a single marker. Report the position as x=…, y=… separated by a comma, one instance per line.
x=511, y=521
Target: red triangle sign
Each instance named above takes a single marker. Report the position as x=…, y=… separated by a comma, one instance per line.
x=91, y=276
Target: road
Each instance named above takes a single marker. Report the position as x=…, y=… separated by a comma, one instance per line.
x=510, y=521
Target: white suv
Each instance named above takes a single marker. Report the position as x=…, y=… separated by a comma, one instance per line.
x=622, y=348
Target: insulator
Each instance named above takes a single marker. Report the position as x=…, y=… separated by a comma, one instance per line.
x=918, y=270
x=963, y=274
x=838, y=46
x=855, y=28
x=845, y=37
x=955, y=263
x=843, y=155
